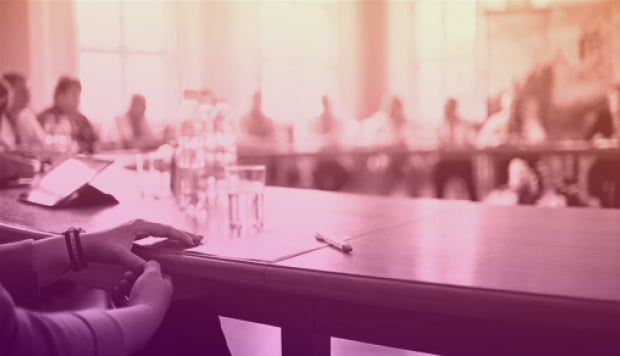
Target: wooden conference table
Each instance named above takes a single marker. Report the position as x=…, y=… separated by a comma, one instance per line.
x=435, y=276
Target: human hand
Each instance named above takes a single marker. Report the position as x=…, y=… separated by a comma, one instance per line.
x=151, y=289
x=113, y=246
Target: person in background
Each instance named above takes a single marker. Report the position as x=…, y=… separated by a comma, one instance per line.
x=146, y=323
x=539, y=186
x=12, y=166
x=607, y=122
x=526, y=125
x=523, y=186
x=390, y=126
x=257, y=131
x=131, y=130
x=256, y=127
x=532, y=180
x=18, y=125
x=65, y=115
x=517, y=124
x=494, y=131
x=604, y=176
x=398, y=121
x=455, y=132
x=324, y=132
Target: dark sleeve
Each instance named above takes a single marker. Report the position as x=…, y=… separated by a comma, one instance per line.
x=603, y=125
x=42, y=116
x=87, y=136
x=17, y=274
x=85, y=333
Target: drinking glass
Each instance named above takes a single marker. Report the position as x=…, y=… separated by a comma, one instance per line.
x=245, y=186
x=154, y=170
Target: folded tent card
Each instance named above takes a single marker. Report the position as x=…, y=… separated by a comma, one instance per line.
x=67, y=185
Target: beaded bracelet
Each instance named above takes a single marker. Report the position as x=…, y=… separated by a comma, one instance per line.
x=74, y=248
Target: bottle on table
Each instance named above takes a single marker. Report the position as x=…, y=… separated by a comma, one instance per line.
x=206, y=145
x=188, y=161
x=220, y=145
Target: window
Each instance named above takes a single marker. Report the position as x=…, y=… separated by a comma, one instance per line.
x=122, y=51
x=298, y=58
x=445, y=56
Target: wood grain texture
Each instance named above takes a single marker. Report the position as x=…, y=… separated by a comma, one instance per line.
x=549, y=277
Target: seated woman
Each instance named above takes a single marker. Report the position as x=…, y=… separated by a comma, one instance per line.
x=65, y=118
x=323, y=133
x=389, y=126
x=523, y=186
x=131, y=130
x=604, y=176
x=494, y=131
x=19, y=131
x=256, y=127
x=391, y=129
x=540, y=187
x=520, y=125
x=455, y=132
x=128, y=329
x=19, y=128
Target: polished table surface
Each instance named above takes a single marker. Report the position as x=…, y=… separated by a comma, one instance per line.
x=437, y=276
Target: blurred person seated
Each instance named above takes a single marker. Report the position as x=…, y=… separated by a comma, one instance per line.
x=256, y=127
x=521, y=125
x=19, y=128
x=389, y=126
x=559, y=192
x=517, y=122
x=538, y=186
x=526, y=125
x=455, y=132
x=131, y=130
x=257, y=131
x=323, y=133
x=42, y=315
x=607, y=118
x=494, y=131
x=523, y=186
x=65, y=118
x=604, y=176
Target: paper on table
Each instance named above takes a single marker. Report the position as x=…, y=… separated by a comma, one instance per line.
x=266, y=246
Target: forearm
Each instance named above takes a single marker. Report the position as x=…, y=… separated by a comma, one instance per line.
x=84, y=333
x=139, y=323
x=50, y=259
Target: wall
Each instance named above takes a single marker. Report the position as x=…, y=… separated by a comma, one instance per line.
x=51, y=47
x=520, y=41
x=14, y=32
x=213, y=44
x=216, y=45
x=577, y=42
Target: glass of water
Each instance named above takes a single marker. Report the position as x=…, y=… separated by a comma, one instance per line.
x=245, y=186
x=154, y=172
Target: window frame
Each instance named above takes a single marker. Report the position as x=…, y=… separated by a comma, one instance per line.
x=124, y=52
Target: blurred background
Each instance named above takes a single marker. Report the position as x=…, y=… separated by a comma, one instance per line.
x=418, y=63
x=357, y=52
